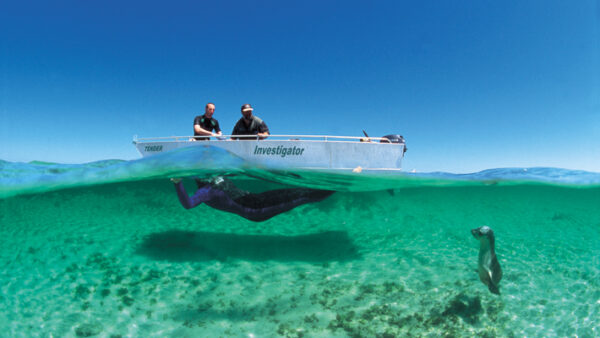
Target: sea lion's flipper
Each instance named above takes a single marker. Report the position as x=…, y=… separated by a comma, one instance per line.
x=496, y=271
x=493, y=289
x=491, y=284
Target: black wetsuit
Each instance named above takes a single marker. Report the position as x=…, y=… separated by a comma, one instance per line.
x=259, y=207
x=256, y=126
x=206, y=123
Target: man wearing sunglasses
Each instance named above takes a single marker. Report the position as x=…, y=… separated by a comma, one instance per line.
x=250, y=125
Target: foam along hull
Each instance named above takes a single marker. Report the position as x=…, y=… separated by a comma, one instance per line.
x=325, y=153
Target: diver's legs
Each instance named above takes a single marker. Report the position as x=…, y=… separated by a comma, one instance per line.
x=261, y=207
x=273, y=198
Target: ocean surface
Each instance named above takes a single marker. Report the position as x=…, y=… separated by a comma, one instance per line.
x=105, y=249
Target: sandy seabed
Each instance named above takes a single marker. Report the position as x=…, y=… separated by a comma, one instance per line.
x=119, y=261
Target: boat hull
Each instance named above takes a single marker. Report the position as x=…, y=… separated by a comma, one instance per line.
x=301, y=154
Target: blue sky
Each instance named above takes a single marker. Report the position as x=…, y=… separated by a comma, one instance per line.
x=470, y=85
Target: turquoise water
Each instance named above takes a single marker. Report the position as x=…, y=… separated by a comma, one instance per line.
x=105, y=249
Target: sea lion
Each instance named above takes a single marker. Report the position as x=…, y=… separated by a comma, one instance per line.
x=490, y=272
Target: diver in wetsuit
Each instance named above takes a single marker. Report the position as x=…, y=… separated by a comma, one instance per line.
x=222, y=194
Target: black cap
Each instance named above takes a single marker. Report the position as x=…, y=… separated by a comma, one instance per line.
x=247, y=107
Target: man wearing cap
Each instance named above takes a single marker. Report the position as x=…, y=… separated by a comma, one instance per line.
x=205, y=124
x=250, y=125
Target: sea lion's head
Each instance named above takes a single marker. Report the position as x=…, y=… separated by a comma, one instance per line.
x=482, y=231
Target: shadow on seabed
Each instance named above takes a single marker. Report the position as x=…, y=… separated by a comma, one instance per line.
x=181, y=246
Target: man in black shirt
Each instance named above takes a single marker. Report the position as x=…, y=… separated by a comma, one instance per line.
x=205, y=124
x=250, y=125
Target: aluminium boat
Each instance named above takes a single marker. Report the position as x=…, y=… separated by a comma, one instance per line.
x=311, y=152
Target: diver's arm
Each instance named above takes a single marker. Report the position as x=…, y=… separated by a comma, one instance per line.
x=184, y=199
x=187, y=201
